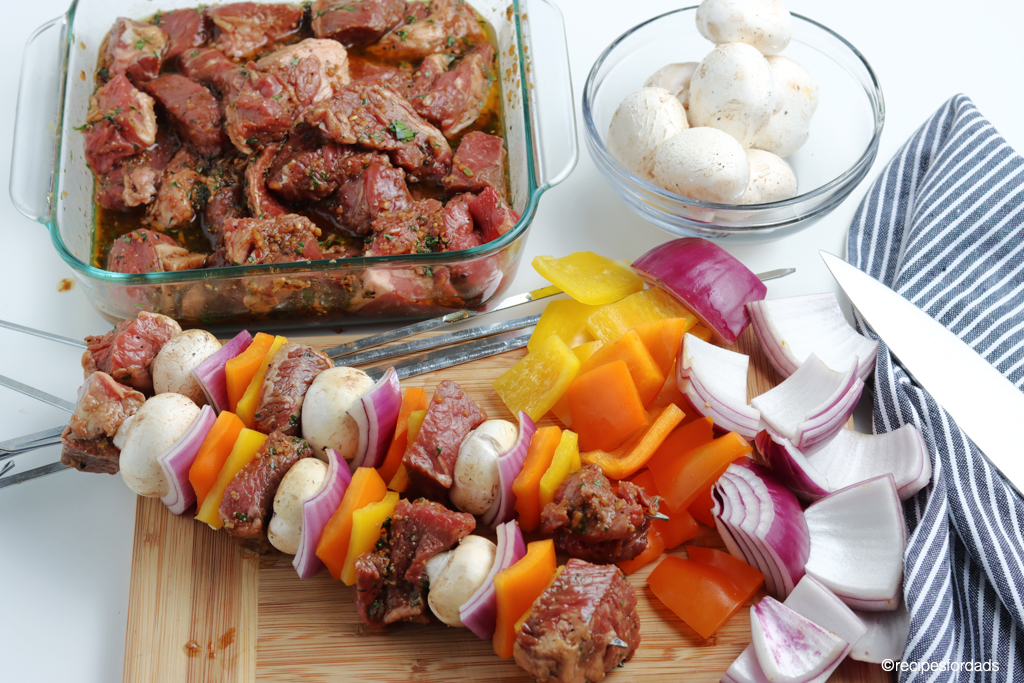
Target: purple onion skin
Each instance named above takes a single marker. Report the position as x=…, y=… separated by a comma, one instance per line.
x=783, y=465
x=707, y=279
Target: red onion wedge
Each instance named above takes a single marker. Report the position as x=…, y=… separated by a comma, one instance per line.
x=317, y=511
x=376, y=415
x=768, y=517
x=812, y=405
x=510, y=464
x=730, y=526
x=176, y=461
x=886, y=635
x=707, y=280
x=857, y=540
x=791, y=466
x=210, y=373
x=791, y=329
x=480, y=613
x=715, y=382
x=816, y=603
x=790, y=647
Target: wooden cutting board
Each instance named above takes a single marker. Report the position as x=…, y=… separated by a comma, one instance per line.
x=202, y=610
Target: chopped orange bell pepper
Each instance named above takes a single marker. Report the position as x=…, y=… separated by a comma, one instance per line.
x=539, y=379
x=614, y=320
x=564, y=462
x=702, y=595
x=413, y=399
x=517, y=587
x=527, y=484
x=400, y=481
x=655, y=547
x=642, y=368
x=246, y=408
x=244, y=450
x=681, y=478
x=588, y=277
x=213, y=453
x=605, y=407
x=583, y=353
x=367, y=522
x=239, y=370
x=663, y=339
x=680, y=526
x=702, y=506
x=567, y=319
x=634, y=454
x=366, y=487
x=742, y=574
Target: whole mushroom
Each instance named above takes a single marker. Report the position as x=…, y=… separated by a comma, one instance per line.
x=763, y=24
x=324, y=420
x=771, y=179
x=177, y=358
x=644, y=120
x=303, y=481
x=475, y=480
x=703, y=163
x=676, y=79
x=788, y=128
x=154, y=428
x=733, y=90
x=456, y=574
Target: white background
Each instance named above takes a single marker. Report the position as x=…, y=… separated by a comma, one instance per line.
x=66, y=540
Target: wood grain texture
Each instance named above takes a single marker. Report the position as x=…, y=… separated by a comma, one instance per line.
x=192, y=585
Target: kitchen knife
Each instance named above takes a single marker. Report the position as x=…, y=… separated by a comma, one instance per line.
x=983, y=403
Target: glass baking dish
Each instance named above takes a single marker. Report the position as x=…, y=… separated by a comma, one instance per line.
x=51, y=183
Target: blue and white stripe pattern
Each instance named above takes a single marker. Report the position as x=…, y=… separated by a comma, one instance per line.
x=943, y=225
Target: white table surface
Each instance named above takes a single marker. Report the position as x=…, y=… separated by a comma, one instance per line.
x=66, y=540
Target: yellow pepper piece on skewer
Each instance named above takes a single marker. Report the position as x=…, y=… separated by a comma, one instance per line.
x=367, y=523
x=244, y=450
x=565, y=461
x=246, y=408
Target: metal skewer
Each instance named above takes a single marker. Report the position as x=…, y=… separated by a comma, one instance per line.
x=31, y=441
x=618, y=642
x=659, y=516
x=455, y=355
x=40, y=333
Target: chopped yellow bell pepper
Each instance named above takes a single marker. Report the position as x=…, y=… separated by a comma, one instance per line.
x=539, y=379
x=588, y=277
x=244, y=450
x=701, y=332
x=567, y=319
x=583, y=353
x=612, y=321
x=565, y=461
x=246, y=408
x=367, y=522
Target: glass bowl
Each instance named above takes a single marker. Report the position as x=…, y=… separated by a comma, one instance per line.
x=842, y=145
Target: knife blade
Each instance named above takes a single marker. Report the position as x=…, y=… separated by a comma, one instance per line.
x=977, y=396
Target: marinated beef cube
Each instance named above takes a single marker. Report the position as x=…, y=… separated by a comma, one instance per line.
x=132, y=49
x=429, y=70
x=248, y=502
x=479, y=163
x=399, y=78
x=375, y=117
x=182, y=190
x=492, y=215
x=391, y=580
x=126, y=352
x=356, y=22
x=469, y=278
x=213, y=68
x=305, y=170
x=592, y=521
x=185, y=29
x=224, y=181
x=405, y=292
x=259, y=113
x=245, y=27
x=103, y=405
x=145, y=251
x=98, y=455
x=415, y=230
x=567, y=635
x=431, y=26
x=121, y=123
x=289, y=375
x=451, y=416
x=282, y=239
x=457, y=98
x=134, y=181
x=457, y=229
x=193, y=110
x=312, y=70
x=260, y=202
x=377, y=189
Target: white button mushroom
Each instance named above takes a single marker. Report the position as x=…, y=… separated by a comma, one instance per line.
x=324, y=422
x=733, y=90
x=644, y=120
x=154, y=428
x=178, y=357
x=788, y=127
x=771, y=179
x=676, y=79
x=764, y=24
x=475, y=481
x=703, y=163
x=303, y=481
x=456, y=574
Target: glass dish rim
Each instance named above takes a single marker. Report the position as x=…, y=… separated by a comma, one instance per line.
x=441, y=258
x=596, y=143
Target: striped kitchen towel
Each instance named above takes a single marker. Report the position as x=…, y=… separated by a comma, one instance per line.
x=943, y=225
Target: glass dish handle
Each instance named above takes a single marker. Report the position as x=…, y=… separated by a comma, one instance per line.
x=38, y=118
x=547, y=70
